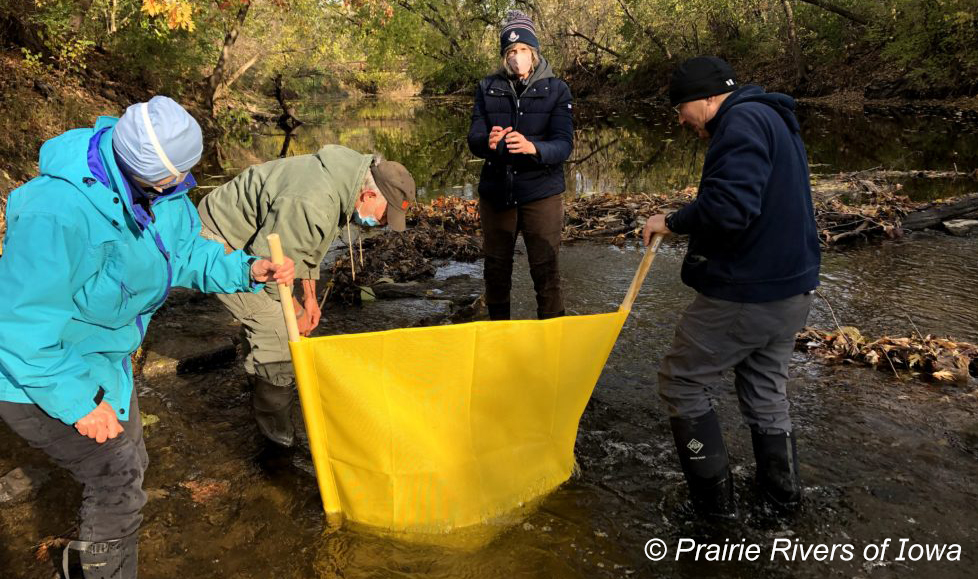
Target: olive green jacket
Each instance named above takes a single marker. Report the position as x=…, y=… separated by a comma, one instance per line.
x=303, y=198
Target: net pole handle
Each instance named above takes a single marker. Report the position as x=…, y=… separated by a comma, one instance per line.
x=643, y=270
x=284, y=291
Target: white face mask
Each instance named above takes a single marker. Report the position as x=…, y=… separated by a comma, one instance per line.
x=520, y=62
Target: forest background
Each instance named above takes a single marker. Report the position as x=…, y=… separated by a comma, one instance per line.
x=63, y=61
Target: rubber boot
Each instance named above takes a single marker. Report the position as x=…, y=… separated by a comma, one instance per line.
x=706, y=465
x=498, y=311
x=273, y=411
x=116, y=559
x=778, y=479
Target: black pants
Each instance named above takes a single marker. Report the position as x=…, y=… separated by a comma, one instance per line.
x=111, y=474
x=541, y=223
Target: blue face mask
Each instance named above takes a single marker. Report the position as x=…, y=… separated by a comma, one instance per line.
x=364, y=221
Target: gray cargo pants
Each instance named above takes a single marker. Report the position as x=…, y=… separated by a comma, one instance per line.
x=266, y=341
x=111, y=474
x=755, y=339
x=263, y=332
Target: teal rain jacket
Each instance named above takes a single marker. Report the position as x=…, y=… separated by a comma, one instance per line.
x=84, y=269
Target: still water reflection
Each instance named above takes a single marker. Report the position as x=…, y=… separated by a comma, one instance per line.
x=639, y=148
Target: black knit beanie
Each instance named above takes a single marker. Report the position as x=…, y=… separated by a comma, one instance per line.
x=517, y=27
x=701, y=77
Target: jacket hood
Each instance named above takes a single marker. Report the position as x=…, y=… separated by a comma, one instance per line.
x=347, y=168
x=67, y=157
x=89, y=164
x=541, y=72
x=783, y=104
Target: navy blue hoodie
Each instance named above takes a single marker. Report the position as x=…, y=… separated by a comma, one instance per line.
x=752, y=227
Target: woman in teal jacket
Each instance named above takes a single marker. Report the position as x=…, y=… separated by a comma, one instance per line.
x=93, y=246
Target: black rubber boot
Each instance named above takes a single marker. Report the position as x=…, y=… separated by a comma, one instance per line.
x=117, y=559
x=498, y=311
x=706, y=465
x=273, y=411
x=778, y=480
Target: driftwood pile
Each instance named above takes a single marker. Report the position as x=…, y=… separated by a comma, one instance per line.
x=848, y=207
x=617, y=217
x=928, y=356
x=451, y=214
x=397, y=258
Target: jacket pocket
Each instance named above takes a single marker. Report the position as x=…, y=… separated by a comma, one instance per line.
x=105, y=299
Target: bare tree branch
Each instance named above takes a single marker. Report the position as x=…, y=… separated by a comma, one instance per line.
x=836, y=9
x=573, y=33
x=647, y=30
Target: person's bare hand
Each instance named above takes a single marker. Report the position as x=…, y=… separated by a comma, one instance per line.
x=263, y=270
x=496, y=135
x=100, y=424
x=517, y=143
x=312, y=310
x=655, y=224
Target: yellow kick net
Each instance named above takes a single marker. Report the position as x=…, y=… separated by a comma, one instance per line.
x=433, y=429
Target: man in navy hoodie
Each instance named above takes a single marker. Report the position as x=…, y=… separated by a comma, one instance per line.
x=753, y=258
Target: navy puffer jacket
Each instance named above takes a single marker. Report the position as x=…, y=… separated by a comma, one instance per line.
x=543, y=114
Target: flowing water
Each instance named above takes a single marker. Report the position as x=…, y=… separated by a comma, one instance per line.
x=882, y=456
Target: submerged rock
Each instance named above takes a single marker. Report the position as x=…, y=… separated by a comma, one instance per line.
x=20, y=484
x=962, y=227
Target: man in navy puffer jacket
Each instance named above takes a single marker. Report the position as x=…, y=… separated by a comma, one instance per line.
x=753, y=258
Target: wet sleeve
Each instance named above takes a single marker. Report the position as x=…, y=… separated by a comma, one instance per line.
x=39, y=276
x=560, y=130
x=201, y=264
x=479, y=129
x=729, y=197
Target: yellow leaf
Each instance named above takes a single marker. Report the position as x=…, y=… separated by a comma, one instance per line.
x=944, y=375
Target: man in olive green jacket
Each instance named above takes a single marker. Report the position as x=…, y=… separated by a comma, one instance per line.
x=305, y=199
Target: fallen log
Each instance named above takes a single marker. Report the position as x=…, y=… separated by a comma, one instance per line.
x=936, y=213
x=887, y=174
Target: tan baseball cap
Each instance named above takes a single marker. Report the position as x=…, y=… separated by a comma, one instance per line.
x=397, y=186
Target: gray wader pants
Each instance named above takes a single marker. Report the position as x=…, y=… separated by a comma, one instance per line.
x=263, y=330
x=755, y=339
x=111, y=473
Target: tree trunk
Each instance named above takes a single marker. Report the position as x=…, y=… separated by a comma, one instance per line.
x=112, y=12
x=287, y=121
x=80, y=15
x=224, y=86
x=793, y=45
x=214, y=81
x=836, y=9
